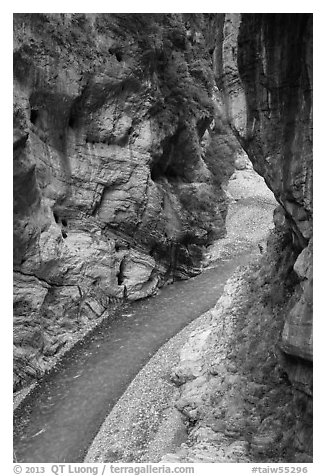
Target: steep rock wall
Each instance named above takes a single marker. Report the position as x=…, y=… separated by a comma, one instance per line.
x=116, y=186
x=263, y=66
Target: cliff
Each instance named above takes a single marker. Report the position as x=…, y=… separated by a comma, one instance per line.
x=126, y=128
x=246, y=378
x=120, y=154
x=271, y=72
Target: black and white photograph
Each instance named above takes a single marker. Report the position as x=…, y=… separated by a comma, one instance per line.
x=162, y=240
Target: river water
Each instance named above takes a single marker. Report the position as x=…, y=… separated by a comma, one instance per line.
x=59, y=421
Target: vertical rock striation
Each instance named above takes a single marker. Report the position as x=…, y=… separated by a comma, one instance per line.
x=263, y=65
x=116, y=183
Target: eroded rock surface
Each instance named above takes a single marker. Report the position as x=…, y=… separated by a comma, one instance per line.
x=121, y=149
x=272, y=67
x=263, y=68
x=145, y=425
x=116, y=183
x=238, y=402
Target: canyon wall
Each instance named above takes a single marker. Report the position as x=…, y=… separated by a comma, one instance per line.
x=263, y=69
x=120, y=154
x=122, y=143
x=270, y=69
x=245, y=375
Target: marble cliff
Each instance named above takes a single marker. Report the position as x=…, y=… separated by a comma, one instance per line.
x=246, y=378
x=120, y=153
x=266, y=76
x=126, y=127
x=275, y=66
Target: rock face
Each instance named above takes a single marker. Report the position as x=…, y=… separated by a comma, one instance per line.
x=121, y=148
x=275, y=67
x=238, y=402
x=116, y=183
x=263, y=69
x=267, y=69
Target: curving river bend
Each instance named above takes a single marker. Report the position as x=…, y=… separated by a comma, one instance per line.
x=59, y=421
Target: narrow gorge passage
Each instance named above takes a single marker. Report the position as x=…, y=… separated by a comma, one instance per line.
x=60, y=420
x=59, y=423
x=136, y=138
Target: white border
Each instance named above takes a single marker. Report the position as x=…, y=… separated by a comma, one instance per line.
x=319, y=200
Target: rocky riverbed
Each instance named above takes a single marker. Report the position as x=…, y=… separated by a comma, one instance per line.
x=225, y=397
x=126, y=129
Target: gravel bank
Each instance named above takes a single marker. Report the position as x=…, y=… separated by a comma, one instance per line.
x=144, y=424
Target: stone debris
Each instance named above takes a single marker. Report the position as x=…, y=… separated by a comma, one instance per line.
x=213, y=402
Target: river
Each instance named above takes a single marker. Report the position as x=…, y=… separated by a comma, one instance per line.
x=59, y=421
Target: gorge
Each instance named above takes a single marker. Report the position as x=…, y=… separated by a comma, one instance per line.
x=127, y=128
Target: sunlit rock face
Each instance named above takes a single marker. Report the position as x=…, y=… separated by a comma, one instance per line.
x=116, y=186
x=263, y=65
